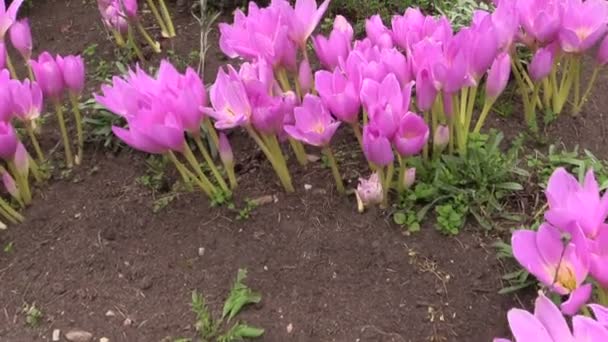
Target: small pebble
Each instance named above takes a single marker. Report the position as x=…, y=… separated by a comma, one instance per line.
x=201, y=251
x=289, y=328
x=56, y=335
x=78, y=336
x=104, y=339
x=110, y=313
x=307, y=187
x=127, y=322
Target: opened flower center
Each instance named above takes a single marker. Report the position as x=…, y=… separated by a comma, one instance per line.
x=566, y=278
x=319, y=128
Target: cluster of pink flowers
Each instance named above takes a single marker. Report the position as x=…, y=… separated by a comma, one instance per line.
x=121, y=17
x=21, y=104
x=568, y=255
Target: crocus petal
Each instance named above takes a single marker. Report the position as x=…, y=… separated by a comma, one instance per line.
x=552, y=319
x=586, y=329
x=577, y=299
x=526, y=252
x=526, y=327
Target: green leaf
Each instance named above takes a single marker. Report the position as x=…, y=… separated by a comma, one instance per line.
x=510, y=186
x=239, y=296
x=243, y=330
x=514, y=288
x=400, y=218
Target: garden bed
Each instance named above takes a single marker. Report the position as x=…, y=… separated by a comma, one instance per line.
x=92, y=254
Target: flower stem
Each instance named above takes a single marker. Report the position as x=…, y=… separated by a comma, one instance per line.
x=209, y=160
x=579, y=106
x=133, y=44
x=120, y=41
x=470, y=109
x=484, y=114
x=69, y=159
x=22, y=183
x=159, y=19
x=186, y=175
x=577, y=87
x=11, y=67
x=425, y=149
x=401, y=173
x=29, y=127
x=283, y=176
x=602, y=295
x=11, y=214
x=197, y=169
x=153, y=44
x=35, y=169
x=79, y=131
x=167, y=17
x=30, y=72
x=299, y=151
x=334, y=169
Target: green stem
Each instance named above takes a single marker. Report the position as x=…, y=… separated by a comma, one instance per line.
x=79, y=131
x=186, y=175
x=22, y=183
x=484, y=114
x=30, y=72
x=386, y=183
x=197, y=169
x=547, y=92
x=602, y=295
x=469, y=114
x=212, y=132
x=334, y=169
x=69, y=159
x=567, y=81
x=10, y=213
x=11, y=67
x=283, y=176
x=283, y=79
x=425, y=149
x=523, y=72
x=161, y=22
x=153, y=44
x=464, y=96
x=553, y=84
x=211, y=164
x=29, y=127
x=299, y=151
x=530, y=113
x=579, y=106
x=167, y=17
x=401, y=173
x=577, y=86
x=35, y=169
x=273, y=144
x=133, y=44
x=380, y=170
x=120, y=41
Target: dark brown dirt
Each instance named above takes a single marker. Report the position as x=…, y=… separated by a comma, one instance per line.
x=91, y=244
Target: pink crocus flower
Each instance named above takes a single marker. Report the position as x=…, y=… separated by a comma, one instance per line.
x=506, y=24
x=407, y=28
x=409, y=177
x=379, y=34
x=561, y=268
x=21, y=38
x=27, y=100
x=412, y=135
x=396, y=63
x=425, y=90
x=305, y=76
x=257, y=74
x=376, y=147
x=571, y=202
x=268, y=113
x=451, y=72
x=314, y=124
x=8, y=15
x=153, y=131
x=441, y=137
x=547, y=324
x=262, y=33
x=49, y=75
x=498, y=75
x=540, y=19
x=8, y=141
x=541, y=64
x=113, y=15
x=6, y=100
x=339, y=95
x=599, y=257
x=304, y=18
x=369, y=191
x=601, y=314
x=231, y=107
x=2, y=55
x=583, y=24
x=386, y=94
x=72, y=69
x=337, y=46
x=482, y=47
